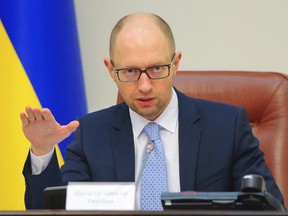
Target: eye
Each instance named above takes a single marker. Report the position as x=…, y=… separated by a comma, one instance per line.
x=157, y=68
x=130, y=71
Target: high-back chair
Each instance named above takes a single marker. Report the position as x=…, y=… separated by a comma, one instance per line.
x=264, y=95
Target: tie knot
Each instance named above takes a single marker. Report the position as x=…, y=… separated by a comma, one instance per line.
x=153, y=131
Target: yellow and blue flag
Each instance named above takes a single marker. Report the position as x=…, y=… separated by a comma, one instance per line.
x=40, y=66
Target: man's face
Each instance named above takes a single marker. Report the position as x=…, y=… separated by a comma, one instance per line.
x=142, y=48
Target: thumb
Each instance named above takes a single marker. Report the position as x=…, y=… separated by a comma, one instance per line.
x=72, y=126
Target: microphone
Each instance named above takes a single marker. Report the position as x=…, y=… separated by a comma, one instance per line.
x=148, y=148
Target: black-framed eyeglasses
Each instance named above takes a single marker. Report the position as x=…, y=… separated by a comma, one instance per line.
x=133, y=74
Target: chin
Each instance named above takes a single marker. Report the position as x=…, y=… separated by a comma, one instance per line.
x=148, y=114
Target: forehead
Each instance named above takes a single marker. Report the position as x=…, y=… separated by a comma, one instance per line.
x=136, y=43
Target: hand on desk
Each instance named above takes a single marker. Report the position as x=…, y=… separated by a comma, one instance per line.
x=43, y=131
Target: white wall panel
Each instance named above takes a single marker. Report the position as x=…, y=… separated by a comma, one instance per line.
x=212, y=35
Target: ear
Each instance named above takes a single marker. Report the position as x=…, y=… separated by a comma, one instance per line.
x=110, y=68
x=176, y=61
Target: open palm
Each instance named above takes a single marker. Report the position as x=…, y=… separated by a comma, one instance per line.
x=43, y=131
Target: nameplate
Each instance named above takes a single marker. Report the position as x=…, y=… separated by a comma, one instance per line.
x=100, y=196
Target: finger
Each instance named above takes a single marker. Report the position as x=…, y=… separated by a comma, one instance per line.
x=30, y=114
x=37, y=114
x=47, y=115
x=24, y=119
x=27, y=108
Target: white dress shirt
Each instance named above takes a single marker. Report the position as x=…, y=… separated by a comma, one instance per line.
x=39, y=163
x=169, y=137
x=168, y=120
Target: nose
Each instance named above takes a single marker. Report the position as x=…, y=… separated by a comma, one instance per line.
x=144, y=83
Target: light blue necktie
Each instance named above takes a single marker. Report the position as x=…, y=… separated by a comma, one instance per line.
x=154, y=178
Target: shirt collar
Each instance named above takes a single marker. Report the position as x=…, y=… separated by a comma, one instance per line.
x=168, y=119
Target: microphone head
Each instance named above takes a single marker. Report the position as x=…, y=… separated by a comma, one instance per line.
x=253, y=183
x=149, y=147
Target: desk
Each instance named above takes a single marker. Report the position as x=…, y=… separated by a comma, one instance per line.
x=136, y=213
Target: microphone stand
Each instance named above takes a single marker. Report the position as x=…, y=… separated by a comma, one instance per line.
x=148, y=148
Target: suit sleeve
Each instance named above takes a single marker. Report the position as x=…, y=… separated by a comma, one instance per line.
x=249, y=159
x=76, y=165
x=35, y=184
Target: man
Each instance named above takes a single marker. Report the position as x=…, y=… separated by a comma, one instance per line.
x=208, y=146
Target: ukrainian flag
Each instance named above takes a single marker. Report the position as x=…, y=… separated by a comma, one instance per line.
x=40, y=66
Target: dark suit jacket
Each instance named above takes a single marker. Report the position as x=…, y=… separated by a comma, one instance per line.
x=216, y=149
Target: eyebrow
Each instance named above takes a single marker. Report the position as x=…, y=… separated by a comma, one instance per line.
x=128, y=67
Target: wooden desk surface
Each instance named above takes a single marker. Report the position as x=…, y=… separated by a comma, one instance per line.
x=136, y=213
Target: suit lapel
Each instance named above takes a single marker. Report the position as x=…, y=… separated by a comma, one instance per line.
x=189, y=138
x=123, y=145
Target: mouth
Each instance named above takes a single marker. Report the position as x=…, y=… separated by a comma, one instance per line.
x=145, y=101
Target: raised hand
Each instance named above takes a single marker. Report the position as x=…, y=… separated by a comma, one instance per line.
x=43, y=131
